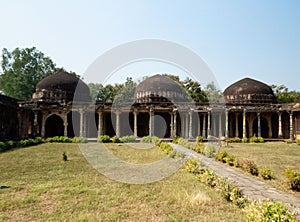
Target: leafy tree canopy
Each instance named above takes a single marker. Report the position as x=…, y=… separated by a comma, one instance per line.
x=22, y=69
x=284, y=95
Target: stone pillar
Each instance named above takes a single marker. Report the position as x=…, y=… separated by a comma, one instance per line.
x=81, y=123
x=291, y=126
x=186, y=125
x=280, y=135
x=175, y=124
x=172, y=125
x=204, y=126
x=208, y=125
x=244, y=124
x=258, y=125
x=43, y=125
x=118, y=132
x=135, y=114
x=65, y=118
x=237, y=125
x=199, y=125
x=220, y=125
x=270, y=127
x=226, y=123
x=100, y=123
x=151, y=121
x=35, y=124
x=214, y=120
x=191, y=124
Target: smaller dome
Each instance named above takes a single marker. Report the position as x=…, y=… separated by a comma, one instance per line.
x=61, y=86
x=249, y=90
x=159, y=88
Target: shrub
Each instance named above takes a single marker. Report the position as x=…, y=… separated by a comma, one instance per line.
x=298, y=142
x=65, y=157
x=151, y=139
x=230, y=160
x=244, y=140
x=183, y=142
x=268, y=211
x=210, y=150
x=293, y=178
x=221, y=155
x=167, y=148
x=267, y=173
x=128, y=139
x=208, y=177
x=104, y=139
x=235, y=140
x=175, y=140
x=288, y=141
x=199, y=148
x=193, y=166
x=199, y=139
x=260, y=139
x=177, y=154
x=3, y=147
x=115, y=139
x=250, y=167
x=79, y=140
x=232, y=194
x=60, y=139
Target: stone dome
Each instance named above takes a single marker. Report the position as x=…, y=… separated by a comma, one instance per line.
x=248, y=90
x=61, y=86
x=159, y=88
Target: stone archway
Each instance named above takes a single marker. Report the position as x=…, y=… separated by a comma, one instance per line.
x=54, y=126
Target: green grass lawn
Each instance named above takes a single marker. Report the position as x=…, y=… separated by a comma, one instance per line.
x=275, y=155
x=45, y=188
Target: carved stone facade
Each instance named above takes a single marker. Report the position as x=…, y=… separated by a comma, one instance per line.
x=61, y=106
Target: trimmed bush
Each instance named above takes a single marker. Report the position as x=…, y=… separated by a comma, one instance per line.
x=128, y=139
x=60, y=139
x=175, y=140
x=79, y=140
x=268, y=211
x=235, y=140
x=104, y=139
x=266, y=174
x=151, y=139
x=288, y=141
x=115, y=139
x=221, y=156
x=250, y=167
x=298, y=142
x=293, y=178
x=255, y=139
x=199, y=148
x=244, y=140
x=210, y=150
x=199, y=139
x=167, y=148
x=193, y=166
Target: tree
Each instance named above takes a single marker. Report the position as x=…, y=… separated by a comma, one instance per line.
x=193, y=88
x=213, y=94
x=22, y=69
x=125, y=92
x=284, y=95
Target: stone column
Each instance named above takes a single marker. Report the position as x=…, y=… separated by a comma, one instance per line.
x=81, y=122
x=191, y=124
x=100, y=123
x=220, y=125
x=172, y=125
x=204, y=126
x=175, y=124
x=151, y=121
x=244, y=124
x=291, y=126
x=118, y=132
x=214, y=120
x=135, y=114
x=258, y=125
x=43, y=125
x=186, y=125
x=65, y=118
x=280, y=135
x=226, y=123
x=199, y=125
x=237, y=125
x=35, y=124
x=208, y=125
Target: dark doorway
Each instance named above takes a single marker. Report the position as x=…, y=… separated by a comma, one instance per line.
x=54, y=126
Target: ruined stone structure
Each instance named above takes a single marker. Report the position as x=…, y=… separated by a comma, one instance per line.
x=61, y=105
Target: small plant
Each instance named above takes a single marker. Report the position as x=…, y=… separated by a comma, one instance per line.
x=210, y=150
x=250, y=167
x=230, y=160
x=65, y=157
x=199, y=139
x=199, y=148
x=115, y=139
x=293, y=178
x=128, y=139
x=79, y=140
x=244, y=140
x=183, y=142
x=298, y=142
x=267, y=174
x=167, y=148
x=221, y=156
x=233, y=194
x=268, y=211
x=288, y=141
x=235, y=140
x=193, y=166
x=151, y=139
x=175, y=140
x=104, y=139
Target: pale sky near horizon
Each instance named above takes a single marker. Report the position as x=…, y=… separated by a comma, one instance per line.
x=236, y=38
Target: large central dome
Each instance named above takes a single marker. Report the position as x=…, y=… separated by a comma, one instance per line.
x=159, y=88
x=62, y=86
x=249, y=91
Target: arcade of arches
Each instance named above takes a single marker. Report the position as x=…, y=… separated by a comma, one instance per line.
x=250, y=108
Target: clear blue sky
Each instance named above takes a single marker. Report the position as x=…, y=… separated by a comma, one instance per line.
x=237, y=38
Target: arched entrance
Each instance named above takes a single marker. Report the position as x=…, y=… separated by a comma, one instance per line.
x=54, y=126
